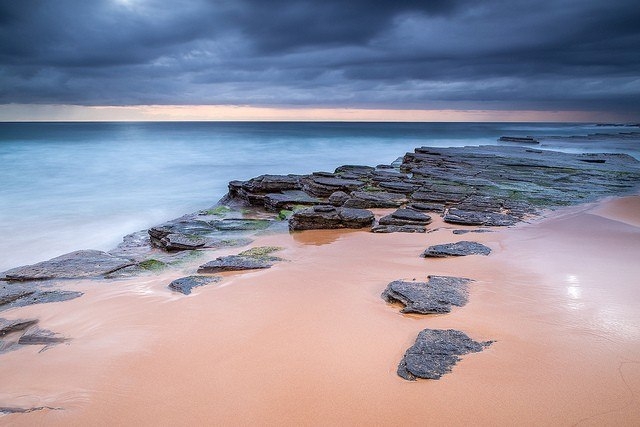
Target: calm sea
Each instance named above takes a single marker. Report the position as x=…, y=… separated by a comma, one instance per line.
x=69, y=186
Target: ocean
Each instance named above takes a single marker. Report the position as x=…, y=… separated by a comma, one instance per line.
x=70, y=186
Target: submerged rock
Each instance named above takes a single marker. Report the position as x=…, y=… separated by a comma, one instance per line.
x=437, y=295
x=185, y=284
x=462, y=248
x=399, y=229
x=435, y=352
x=78, y=264
x=330, y=217
x=37, y=336
x=10, y=326
x=19, y=294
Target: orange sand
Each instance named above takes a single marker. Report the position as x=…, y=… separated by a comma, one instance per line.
x=310, y=341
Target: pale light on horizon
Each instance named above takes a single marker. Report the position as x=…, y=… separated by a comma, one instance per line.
x=50, y=112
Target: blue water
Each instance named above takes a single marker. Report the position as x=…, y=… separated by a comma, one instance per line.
x=69, y=186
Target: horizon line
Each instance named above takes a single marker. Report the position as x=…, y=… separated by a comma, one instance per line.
x=16, y=113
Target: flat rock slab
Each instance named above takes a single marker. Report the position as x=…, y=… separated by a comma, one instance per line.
x=79, y=264
x=456, y=249
x=405, y=217
x=288, y=199
x=435, y=352
x=437, y=295
x=330, y=217
x=185, y=284
x=467, y=217
x=235, y=263
x=14, y=294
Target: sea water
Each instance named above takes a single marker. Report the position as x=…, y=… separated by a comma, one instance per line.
x=70, y=186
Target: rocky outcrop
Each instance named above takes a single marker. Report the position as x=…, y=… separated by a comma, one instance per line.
x=437, y=295
x=435, y=352
x=405, y=217
x=327, y=216
x=462, y=248
x=79, y=264
x=185, y=284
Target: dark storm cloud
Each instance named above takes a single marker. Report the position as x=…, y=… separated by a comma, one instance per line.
x=563, y=54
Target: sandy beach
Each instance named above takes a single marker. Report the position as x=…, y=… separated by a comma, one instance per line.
x=310, y=341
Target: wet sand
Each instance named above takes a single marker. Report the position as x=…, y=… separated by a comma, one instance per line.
x=310, y=341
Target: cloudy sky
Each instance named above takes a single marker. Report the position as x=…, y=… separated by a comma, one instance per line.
x=503, y=56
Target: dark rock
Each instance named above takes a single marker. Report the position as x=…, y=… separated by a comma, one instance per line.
x=322, y=186
x=181, y=242
x=37, y=336
x=85, y=263
x=405, y=217
x=435, y=352
x=241, y=224
x=185, y=284
x=234, y=263
x=338, y=198
x=466, y=217
x=427, y=207
x=435, y=197
x=477, y=230
x=10, y=326
x=399, y=186
x=355, y=170
x=435, y=296
x=288, y=200
x=399, y=229
x=374, y=199
x=326, y=216
x=519, y=139
x=456, y=249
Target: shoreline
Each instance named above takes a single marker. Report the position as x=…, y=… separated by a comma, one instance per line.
x=257, y=347
x=312, y=338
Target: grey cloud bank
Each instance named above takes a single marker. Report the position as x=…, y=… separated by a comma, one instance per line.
x=545, y=55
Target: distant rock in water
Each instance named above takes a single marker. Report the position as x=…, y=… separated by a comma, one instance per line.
x=329, y=217
x=435, y=352
x=437, y=295
x=456, y=249
x=519, y=139
x=185, y=284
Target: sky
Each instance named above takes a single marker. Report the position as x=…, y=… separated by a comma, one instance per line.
x=442, y=60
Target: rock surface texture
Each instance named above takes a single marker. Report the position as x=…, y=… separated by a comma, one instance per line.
x=435, y=352
x=437, y=295
x=456, y=249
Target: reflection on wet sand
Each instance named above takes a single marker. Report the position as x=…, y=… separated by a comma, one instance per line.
x=310, y=341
